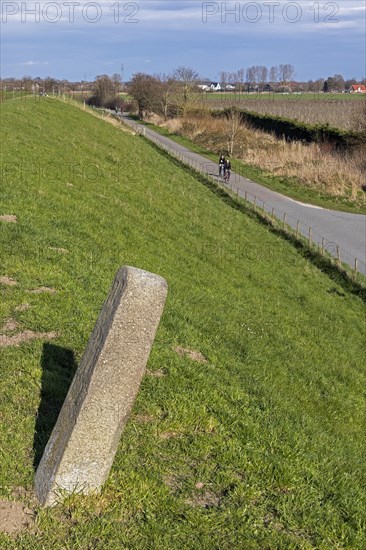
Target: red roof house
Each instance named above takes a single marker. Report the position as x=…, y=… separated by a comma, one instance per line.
x=358, y=89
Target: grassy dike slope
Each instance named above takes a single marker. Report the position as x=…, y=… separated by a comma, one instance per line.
x=262, y=445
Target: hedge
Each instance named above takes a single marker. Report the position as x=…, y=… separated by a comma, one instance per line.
x=300, y=131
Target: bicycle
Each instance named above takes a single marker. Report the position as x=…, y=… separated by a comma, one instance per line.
x=227, y=175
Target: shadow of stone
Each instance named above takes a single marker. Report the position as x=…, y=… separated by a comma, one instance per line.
x=58, y=369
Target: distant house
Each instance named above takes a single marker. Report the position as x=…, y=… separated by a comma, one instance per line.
x=229, y=87
x=358, y=89
x=295, y=86
x=210, y=86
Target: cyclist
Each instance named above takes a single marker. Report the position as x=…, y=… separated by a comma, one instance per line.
x=227, y=169
x=221, y=165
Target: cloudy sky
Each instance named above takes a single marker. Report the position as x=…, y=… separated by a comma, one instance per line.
x=81, y=39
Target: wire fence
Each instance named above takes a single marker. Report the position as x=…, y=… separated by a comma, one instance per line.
x=298, y=229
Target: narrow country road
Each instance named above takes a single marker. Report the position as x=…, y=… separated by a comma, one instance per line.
x=341, y=233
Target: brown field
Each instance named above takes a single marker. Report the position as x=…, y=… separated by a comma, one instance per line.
x=346, y=114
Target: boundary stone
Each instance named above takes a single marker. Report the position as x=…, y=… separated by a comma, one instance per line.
x=83, y=443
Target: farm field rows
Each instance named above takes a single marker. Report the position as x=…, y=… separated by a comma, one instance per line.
x=248, y=431
x=284, y=97
x=344, y=111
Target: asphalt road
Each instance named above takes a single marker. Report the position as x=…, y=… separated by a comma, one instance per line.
x=341, y=233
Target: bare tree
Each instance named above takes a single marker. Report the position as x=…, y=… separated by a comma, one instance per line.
x=103, y=90
x=167, y=94
x=262, y=75
x=339, y=82
x=348, y=83
x=186, y=79
x=145, y=89
x=233, y=128
x=251, y=75
x=27, y=83
x=274, y=74
x=241, y=77
x=286, y=73
x=49, y=84
x=117, y=82
x=233, y=78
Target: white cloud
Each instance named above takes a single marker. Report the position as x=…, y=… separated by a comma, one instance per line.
x=31, y=63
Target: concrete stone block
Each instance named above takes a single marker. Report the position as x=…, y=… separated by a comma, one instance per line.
x=83, y=443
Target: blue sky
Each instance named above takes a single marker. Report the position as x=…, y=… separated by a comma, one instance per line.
x=81, y=39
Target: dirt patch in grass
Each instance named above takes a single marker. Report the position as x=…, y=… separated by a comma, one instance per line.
x=8, y=218
x=8, y=281
x=157, y=373
x=173, y=482
x=42, y=289
x=191, y=353
x=15, y=517
x=26, y=336
x=22, y=307
x=205, y=499
x=20, y=493
x=9, y=326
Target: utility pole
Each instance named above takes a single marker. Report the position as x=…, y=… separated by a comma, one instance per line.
x=122, y=70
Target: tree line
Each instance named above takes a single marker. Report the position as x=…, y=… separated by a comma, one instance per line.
x=169, y=94
x=259, y=74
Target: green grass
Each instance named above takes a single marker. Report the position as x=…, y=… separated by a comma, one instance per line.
x=287, y=186
x=272, y=425
x=18, y=95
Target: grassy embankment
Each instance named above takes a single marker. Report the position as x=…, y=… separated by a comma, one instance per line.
x=261, y=445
